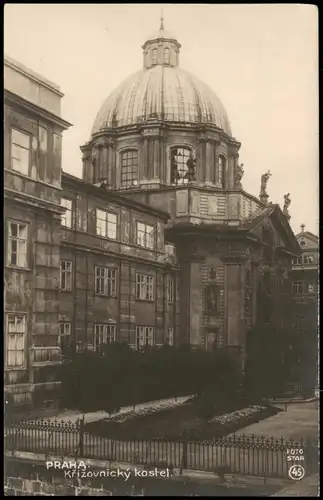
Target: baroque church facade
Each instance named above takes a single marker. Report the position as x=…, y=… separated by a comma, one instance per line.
x=158, y=243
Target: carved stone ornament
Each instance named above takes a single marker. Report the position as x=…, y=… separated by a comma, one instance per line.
x=239, y=175
x=212, y=274
x=211, y=298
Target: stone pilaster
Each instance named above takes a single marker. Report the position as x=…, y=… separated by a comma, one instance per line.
x=156, y=161
x=234, y=303
x=210, y=162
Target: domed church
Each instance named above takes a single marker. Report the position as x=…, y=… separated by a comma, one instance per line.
x=163, y=138
x=157, y=244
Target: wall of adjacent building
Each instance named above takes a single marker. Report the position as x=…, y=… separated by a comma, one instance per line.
x=81, y=306
x=32, y=199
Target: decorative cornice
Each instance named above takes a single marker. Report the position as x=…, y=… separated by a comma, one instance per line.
x=37, y=110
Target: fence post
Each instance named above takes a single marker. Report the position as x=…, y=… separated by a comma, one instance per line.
x=184, y=456
x=81, y=445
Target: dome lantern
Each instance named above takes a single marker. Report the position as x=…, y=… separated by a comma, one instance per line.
x=162, y=48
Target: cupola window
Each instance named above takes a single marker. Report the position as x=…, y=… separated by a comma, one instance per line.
x=221, y=171
x=129, y=168
x=154, y=57
x=166, y=56
x=182, y=165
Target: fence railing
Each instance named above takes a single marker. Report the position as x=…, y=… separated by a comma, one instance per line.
x=251, y=455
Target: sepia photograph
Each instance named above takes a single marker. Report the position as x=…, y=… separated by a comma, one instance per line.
x=161, y=250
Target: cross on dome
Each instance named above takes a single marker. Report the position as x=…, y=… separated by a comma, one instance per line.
x=161, y=20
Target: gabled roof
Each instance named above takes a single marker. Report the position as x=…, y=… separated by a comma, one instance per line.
x=309, y=235
x=274, y=212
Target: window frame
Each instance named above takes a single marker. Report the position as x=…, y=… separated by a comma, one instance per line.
x=23, y=334
x=18, y=239
x=154, y=57
x=64, y=335
x=182, y=171
x=146, y=235
x=29, y=149
x=308, y=259
x=166, y=52
x=67, y=210
x=220, y=171
x=170, y=290
x=145, y=282
x=105, y=332
x=129, y=172
x=143, y=331
x=170, y=335
x=107, y=212
x=68, y=272
x=109, y=283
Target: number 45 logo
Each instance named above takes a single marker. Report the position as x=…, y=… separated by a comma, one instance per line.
x=296, y=472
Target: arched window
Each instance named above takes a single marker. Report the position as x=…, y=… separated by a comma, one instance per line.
x=182, y=165
x=166, y=56
x=154, y=57
x=221, y=171
x=129, y=168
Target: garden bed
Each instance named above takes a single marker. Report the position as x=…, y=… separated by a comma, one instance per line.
x=180, y=422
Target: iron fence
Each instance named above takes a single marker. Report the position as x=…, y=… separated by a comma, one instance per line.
x=235, y=454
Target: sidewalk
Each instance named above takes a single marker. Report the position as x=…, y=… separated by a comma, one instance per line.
x=74, y=415
x=299, y=421
x=307, y=487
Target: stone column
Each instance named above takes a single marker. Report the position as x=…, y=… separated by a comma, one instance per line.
x=201, y=159
x=156, y=161
x=144, y=167
x=209, y=164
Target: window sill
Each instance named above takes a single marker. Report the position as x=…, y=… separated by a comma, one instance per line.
x=106, y=237
x=146, y=248
x=106, y=296
x=151, y=301
x=18, y=268
x=15, y=368
x=65, y=291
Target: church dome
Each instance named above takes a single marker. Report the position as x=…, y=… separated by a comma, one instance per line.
x=161, y=91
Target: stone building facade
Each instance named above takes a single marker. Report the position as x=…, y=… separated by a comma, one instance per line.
x=158, y=243
x=33, y=129
x=304, y=278
x=163, y=138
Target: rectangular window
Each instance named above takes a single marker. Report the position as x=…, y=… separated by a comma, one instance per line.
x=308, y=259
x=20, y=151
x=298, y=287
x=104, y=334
x=170, y=336
x=66, y=276
x=297, y=261
x=144, y=336
x=64, y=336
x=106, y=224
x=16, y=332
x=170, y=290
x=17, y=244
x=145, y=235
x=144, y=287
x=129, y=168
x=106, y=281
x=66, y=217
